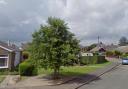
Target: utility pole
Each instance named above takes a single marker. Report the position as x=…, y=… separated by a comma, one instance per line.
x=98, y=40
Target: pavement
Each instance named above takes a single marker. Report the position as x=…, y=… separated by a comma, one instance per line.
x=116, y=79
x=78, y=82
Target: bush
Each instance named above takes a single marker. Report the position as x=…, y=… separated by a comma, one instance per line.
x=25, y=55
x=117, y=53
x=93, y=60
x=27, y=69
x=125, y=55
x=109, y=53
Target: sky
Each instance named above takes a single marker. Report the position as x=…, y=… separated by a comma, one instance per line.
x=87, y=19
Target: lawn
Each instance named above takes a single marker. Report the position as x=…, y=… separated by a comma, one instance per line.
x=2, y=78
x=75, y=70
x=4, y=73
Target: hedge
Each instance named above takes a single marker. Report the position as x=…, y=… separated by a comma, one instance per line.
x=26, y=68
x=92, y=60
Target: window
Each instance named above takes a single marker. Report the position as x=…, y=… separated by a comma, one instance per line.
x=3, y=61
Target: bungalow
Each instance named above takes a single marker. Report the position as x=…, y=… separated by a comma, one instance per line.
x=10, y=55
x=102, y=48
x=122, y=49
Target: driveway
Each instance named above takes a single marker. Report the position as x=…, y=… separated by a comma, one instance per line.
x=116, y=79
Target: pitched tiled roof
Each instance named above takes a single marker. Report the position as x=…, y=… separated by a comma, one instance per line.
x=9, y=47
x=123, y=49
x=105, y=47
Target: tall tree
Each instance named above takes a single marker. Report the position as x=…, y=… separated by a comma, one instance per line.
x=54, y=46
x=123, y=41
x=91, y=47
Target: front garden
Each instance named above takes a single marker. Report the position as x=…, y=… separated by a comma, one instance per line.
x=75, y=70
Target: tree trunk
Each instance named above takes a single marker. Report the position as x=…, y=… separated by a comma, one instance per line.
x=56, y=73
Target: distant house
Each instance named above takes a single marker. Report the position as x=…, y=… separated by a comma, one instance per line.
x=83, y=48
x=87, y=54
x=10, y=55
x=99, y=48
x=123, y=49
x=102, y=48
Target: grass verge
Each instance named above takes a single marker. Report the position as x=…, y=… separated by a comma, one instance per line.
x=2, y=77
x=75, y=70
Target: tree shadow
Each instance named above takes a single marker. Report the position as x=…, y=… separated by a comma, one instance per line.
x=83, y=79
x=79, y=79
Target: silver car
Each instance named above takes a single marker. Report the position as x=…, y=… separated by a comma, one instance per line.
x=125, y=61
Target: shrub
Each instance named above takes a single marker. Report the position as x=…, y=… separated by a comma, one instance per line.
x=117, y=53
x=125, y=55
x=109, y=53
x=93, y=60
x=27, y=69
x=25, y=55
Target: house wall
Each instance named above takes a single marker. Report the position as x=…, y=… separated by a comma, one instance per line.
x=11, y=60
x=3, y=52
x=11, y=57
x=17, y=58
x=87, y=54
x=14, y=57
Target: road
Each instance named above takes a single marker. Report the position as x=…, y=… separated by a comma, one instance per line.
x=116, y=79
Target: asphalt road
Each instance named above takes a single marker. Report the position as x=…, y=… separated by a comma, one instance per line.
x=115, y=79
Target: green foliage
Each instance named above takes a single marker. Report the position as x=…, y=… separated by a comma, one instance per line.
x=75, y=70
x=27, y=69
x=8, y=72
x=113, y=53
x=125, y=55
x=109, y=53
x=93, y=60
x=25, y=55
x=53, y=45
x=117, y=53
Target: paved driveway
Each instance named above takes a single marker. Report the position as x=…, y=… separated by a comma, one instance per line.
x=116, y=79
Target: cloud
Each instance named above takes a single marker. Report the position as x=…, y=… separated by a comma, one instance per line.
x=86, y=18
x=3, y=2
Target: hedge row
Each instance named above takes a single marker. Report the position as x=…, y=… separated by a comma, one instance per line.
x=27, y=69
x=92, y=60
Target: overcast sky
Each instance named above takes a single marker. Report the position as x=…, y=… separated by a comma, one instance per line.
x=88, y=19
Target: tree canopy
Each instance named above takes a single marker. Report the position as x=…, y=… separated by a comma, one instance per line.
x=123, y=41
x=54, y=46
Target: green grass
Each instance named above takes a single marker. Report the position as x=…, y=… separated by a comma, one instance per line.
x=2, y=77
x=75, y=70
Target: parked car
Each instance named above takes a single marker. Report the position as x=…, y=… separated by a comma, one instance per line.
x=125, y=61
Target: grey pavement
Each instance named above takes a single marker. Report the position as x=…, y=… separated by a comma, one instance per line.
x=116, y=79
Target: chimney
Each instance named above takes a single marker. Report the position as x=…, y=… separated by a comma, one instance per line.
x=9, y=43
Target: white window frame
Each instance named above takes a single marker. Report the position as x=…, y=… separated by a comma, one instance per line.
x=7, y=58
